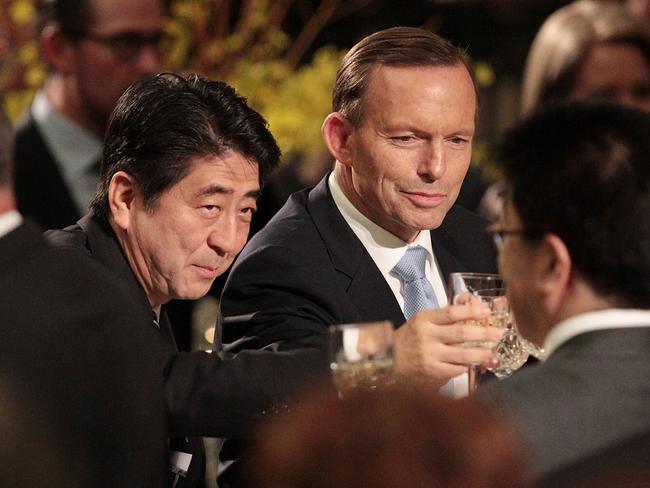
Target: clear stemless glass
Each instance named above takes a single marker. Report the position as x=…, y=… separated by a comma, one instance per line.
x=463, y=289
x=361, y=355
x=510, y=350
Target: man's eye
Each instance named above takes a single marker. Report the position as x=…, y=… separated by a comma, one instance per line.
x=458, y=140
x=407, y=138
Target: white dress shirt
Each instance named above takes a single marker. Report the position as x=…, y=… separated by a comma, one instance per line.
x=9, y=221
x=612, y=318
x=386, y=250
x=75, y=149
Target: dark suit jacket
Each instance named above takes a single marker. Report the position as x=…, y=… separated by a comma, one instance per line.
x=591, y=394
x=206, y=394
x=69, y=366
x=307, y=270
x=41, y=193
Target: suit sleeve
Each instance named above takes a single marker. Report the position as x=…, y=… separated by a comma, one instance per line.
x=223, y=395
x=279, y=298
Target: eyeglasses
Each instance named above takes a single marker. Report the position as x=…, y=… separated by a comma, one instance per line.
x=126, y=45
x=498, y=233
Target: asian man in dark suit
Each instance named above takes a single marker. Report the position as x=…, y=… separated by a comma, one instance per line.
x=576, y=258
x=405, y=106
x=184, y=158
x=80, y=405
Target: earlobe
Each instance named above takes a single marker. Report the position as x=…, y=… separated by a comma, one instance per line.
x=121, y=194
x=336, y=131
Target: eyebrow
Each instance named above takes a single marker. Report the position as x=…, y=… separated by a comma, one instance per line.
x=212, y=189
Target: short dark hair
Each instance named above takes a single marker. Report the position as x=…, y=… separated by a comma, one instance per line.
x=159, y=124
x=71, y=17
x=580, y=170
x=396, y=46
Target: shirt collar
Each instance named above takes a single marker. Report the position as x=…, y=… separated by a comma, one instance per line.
x=9, y=221
x=613, y=318
x=76, y=148
x=385, y=248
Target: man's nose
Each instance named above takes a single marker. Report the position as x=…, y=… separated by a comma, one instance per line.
x=149, y=60
x=226, y=237
x=433, y=163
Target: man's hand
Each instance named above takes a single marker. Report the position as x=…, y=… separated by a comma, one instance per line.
x=430, y=345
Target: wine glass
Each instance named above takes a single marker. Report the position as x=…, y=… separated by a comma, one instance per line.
x=463, y=289
x=361, y=355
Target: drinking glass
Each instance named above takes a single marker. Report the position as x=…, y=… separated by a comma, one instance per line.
x=361, y=355
x=463, y=289
x=510, y=349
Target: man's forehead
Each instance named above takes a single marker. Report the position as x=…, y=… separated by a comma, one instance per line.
x=126, y=15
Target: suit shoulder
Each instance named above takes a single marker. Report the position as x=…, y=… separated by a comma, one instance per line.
x=460, y=216
x=291, y=227
x=71, y=238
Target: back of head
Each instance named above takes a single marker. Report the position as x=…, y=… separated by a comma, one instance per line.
x=580, y=170
x=396, y=46
x=161, y=123
x=395, y=438
x=563, y=41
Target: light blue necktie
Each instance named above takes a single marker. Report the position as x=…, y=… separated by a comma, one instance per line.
x=418, y=292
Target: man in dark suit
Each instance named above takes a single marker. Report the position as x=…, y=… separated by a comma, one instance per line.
x=576, y=257
x=94, y=50
x=401, y=134
x=80, y=405
x=183, y=162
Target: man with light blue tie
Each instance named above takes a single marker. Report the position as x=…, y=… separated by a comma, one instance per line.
x=401, y=132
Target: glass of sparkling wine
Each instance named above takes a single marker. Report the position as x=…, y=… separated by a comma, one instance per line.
x=510, y=350
x=361, y=355
x=463, y=289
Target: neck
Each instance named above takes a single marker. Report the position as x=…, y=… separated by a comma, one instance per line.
x=139, y=268
x=580, y=298
x=64, y=94
x=345, y=179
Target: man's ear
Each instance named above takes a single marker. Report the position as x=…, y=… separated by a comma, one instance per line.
x=336, y=132
x=59, y=50
x=121, y=194
x=555, y=269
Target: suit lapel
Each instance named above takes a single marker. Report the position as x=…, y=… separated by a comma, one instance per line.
x=365, y=286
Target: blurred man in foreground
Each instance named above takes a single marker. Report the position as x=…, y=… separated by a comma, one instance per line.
x=576, y=257
x=80, y=406
x=183, y=162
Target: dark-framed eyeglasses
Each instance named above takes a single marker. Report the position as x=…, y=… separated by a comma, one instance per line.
x=498, y=233
x=126, y=45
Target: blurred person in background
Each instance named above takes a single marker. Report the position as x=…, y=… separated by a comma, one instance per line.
x=94, y=50
x=400, y=437
x=589, y=48
x=575, y=253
